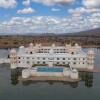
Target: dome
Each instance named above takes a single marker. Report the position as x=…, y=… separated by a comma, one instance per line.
x=51, y=51
x=21, y=47
x=31, y=44
x=53, y=45
x=90, y=52
x=40, y=44
x=13, y=51
x=76, y=44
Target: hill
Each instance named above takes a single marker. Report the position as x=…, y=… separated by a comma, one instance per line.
x=93, y=32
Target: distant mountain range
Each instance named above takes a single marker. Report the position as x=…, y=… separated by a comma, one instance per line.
x=92, y=32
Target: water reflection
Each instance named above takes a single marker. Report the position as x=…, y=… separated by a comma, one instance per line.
x=86, y=77
x=14, y=77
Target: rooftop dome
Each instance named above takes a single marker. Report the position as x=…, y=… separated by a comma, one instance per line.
x=53, y=45
x=21, y=47
x=51, y=51
x=13, y=51
x=90, y=52
x=31, y=44
x=76, y=44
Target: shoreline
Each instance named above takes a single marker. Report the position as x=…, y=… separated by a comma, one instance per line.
x=85, y=46
x=16, y=41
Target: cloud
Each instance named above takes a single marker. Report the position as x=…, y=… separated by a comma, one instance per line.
x=50, y=24
x=91, y=3
x=26, y=11
x=82, y=10
x=55, y=9
x=52, y=2
x=26, y=2
x=8, y=3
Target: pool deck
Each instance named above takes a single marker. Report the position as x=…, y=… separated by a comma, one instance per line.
x=95, y=70
x=49, y=78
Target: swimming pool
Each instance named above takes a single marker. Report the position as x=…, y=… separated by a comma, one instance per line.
x=47, y=69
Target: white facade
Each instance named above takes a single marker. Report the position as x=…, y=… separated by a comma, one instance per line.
x=51, y=56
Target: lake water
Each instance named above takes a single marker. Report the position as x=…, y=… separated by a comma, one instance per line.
x=12, y=89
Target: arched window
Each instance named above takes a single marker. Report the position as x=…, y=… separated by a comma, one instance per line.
x=28, y=62
x=74, y=63
x=72, y=53
x=74, y=58
x=31, y=52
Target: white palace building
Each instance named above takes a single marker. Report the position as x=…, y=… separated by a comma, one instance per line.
x=26, y=57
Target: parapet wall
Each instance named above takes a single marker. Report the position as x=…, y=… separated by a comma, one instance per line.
x=73, y=74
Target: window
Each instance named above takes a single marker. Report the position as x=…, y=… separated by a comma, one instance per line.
x=57, y=62
x=63, y=58
x=43, y=62
x=57, y=58
x=74, y=58
x=38, y=58
x=63, y=62
x=68, y=58
x=72, y=53
x=38, y=62
x=43, y=58
x=27, y=57
x=68, y=62
x=74, y=63
x=31, y=52
x=28, y=62
x=83, y=58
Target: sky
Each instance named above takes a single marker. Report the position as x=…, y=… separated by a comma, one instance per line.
x=48, y=16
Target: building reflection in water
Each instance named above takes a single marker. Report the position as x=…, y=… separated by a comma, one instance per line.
x=15, y=73
x=86, y=77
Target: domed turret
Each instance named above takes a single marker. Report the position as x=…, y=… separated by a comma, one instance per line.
x=53, y=45
x=78, y=48
x=12, y=51
x=76, y=44
x=51, y=51
x=13, y=58
x=31, y=45
x=21, y=49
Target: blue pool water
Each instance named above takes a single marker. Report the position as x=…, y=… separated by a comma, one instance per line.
x=46, y=69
